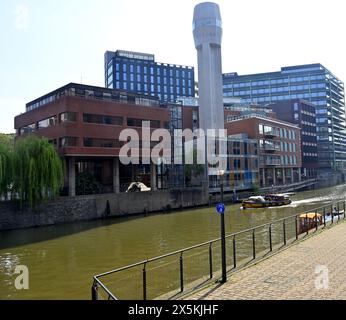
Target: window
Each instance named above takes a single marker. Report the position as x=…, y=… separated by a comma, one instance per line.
x=27, y=129
x=236, y=147
x=68, y=142
x=236, y=164
x=102, y=119
x=49, y=122
x=68, y=117
x=132, y=122
x=101, y=143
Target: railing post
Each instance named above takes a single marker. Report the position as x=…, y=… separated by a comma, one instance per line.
x=270, y=238
x=307, y=224
x=316, y=220
x=344, y=208
x=331, y=212
x=284, y=229
x=210, y=260
x=181, y=272
x=296, y=225
x=234, y=253
x=254, y=244
x=338, y=212
x=144, y=282
x=324, y=216
x=94, y=292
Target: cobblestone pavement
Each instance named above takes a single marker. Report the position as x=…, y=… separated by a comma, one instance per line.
x=295, y=273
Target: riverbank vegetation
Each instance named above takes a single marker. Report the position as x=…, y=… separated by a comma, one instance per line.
x=30, y=171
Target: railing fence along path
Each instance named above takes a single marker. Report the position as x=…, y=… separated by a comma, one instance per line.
x=285, y=231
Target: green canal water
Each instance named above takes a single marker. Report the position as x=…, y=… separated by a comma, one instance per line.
x=62, y=259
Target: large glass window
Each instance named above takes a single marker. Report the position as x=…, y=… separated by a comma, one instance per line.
x=132, y=122
x=101, y=143
x=68, y=142
x=68, y=117
x=28, y=129
x=102, y=119
x=49, y=122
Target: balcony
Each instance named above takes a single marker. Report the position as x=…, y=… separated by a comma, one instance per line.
x=273, y=132
x=271, y=147
x=271, y=162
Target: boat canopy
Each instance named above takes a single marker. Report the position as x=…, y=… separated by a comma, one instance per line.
x=310, y=215
x=257, y=198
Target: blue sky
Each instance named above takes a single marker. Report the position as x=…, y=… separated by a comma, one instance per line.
x=45, y=44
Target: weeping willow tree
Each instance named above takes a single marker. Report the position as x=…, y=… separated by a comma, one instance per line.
x=6, y=169
x=38, y=171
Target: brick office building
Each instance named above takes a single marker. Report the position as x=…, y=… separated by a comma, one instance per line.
x=84, y=123
x=279, y=146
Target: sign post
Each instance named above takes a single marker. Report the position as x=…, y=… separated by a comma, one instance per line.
x=220, y=208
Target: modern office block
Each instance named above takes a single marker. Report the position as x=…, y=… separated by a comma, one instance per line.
x=303, y=114
x=140, y=73
x=312, y=82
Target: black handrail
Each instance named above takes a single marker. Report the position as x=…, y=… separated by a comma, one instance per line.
x=98, y=284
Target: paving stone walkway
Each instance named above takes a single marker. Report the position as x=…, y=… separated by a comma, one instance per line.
x=314, y=268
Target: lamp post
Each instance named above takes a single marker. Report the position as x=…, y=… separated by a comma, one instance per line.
x=220, y=173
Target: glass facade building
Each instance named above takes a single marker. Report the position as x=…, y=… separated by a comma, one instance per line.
x=139, y=73
x=313, y=83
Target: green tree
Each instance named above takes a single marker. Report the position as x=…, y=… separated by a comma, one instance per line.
x=6, y=169
x=38, y=171
x=7, y=139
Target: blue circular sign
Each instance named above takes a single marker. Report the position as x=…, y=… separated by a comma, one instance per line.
x=220, y=208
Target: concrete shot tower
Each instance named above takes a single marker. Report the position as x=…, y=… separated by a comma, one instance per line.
x=207, y=33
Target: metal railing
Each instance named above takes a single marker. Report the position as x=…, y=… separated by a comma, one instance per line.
x=324, y=215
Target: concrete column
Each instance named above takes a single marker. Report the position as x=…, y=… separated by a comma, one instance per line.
x=116, y=179
x=274, y=177
x=71, y=177
x=283, y=176
x=292, y=175
x=264, y=177
x=153, y=176
x=299, y=175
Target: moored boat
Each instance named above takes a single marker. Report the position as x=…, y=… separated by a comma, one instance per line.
x=269, y=200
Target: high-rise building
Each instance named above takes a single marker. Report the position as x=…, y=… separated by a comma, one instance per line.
x=207, y=33
x=312, y=82
x=301, y=113
x=139, y=73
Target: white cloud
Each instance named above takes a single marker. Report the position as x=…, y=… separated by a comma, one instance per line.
x=21, y=18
